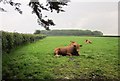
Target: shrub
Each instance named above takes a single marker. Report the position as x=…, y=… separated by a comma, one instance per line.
x=12, y=40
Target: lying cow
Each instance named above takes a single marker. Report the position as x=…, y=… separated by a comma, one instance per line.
x=72, y=49
x=88, y=41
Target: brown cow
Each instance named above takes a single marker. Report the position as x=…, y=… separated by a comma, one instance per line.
x=88, y=41
x=71, y=49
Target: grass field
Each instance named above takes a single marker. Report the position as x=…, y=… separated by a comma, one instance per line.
x=37, y=61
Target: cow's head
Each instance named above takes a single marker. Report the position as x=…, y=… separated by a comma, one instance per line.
x=76, y=45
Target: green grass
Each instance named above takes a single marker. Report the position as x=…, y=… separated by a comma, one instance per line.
x=37, y=61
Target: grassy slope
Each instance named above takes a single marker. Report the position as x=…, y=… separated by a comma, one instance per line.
x=36, y=60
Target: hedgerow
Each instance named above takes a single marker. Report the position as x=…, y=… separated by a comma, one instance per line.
x=12, y=40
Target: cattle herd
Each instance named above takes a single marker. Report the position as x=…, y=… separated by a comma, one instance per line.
x=71, y=50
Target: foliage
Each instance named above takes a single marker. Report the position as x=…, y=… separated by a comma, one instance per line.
x=12, y=3
x=12, y=40
x=98, y=60
x=37, y=8
x=52, y=5
x=72, y=33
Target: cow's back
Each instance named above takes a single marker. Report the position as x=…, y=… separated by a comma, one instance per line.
x=67, y=49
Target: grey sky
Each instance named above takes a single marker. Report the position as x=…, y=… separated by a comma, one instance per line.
x=92, y=15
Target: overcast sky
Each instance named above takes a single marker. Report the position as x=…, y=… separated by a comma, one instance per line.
x=99, y=15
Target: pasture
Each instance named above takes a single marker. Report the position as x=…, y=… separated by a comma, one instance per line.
x=98, y=60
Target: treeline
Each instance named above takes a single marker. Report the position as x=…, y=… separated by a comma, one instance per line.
x=12, y=40
x=72, y=33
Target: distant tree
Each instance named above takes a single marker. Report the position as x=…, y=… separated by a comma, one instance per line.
x=37, y=8
x=88, y=32
x=37, y=32
x=72, y=33
x=97, y=33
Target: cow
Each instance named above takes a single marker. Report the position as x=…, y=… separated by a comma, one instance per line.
x=88, y=41
x=71, y=50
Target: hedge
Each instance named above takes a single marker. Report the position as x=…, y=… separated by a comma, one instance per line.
x=12, y=40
